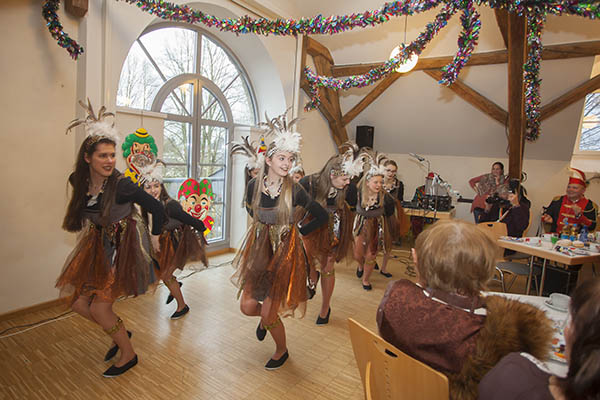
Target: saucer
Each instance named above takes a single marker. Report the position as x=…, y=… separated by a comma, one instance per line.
x=552, y=306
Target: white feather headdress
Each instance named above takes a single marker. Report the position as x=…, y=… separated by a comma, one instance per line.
x=255, y=159
x=352, y=160
x=373, y=162
x=153, y=172
x=97, y=126
x=278, y=130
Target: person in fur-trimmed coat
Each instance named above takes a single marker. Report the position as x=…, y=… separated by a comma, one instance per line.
x=445, y=322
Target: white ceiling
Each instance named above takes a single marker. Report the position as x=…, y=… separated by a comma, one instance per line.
x=417, y=115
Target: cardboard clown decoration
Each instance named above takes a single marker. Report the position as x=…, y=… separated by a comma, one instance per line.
x=196, y=198
x=139, y=151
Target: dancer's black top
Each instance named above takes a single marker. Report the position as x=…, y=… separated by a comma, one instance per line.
x=299, y=198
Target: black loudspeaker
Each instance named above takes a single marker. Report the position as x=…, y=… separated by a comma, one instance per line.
x=364, y=136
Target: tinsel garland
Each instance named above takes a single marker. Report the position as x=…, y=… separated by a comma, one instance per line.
x=534, y=10
x=56, y=29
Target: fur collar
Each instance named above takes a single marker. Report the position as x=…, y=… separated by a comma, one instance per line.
x=510, y=326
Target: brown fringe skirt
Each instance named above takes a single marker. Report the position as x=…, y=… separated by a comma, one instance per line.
x=179, y=247
x=110, y=262
x=400, y=224
x=271, y=263
x=330, y=240
x=374, y=235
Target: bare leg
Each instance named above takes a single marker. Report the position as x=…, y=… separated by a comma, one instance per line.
x=359, y=252
x=327, y=285
x=82, y=307
x=103, y=313
x=249, y=306
x=274, y=325
x=386, y=257
x=175, y=290
x=369, y=265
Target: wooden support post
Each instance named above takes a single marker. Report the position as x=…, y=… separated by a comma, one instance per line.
x=77, y=8
x=502, y=20
x=517, y=39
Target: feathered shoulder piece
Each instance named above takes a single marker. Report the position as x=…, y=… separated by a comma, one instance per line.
x=352, y=159
x=373, y=162
x=153, y=172
x=280, y=136
x=96, y=125
x=255, y=159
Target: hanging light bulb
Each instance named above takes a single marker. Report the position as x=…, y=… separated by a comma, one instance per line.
x=412, y=61
x=406, y=65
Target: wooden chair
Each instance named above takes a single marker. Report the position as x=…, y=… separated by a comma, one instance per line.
x=516, y=269
x=388, y=373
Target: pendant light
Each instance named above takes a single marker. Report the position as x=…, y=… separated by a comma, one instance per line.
x=411, y=62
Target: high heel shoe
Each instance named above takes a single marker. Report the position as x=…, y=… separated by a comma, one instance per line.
x=114, y=349
x=324, y=321
x=116, y=371
x=170, y=297
x=386, y=274
x=359, y=273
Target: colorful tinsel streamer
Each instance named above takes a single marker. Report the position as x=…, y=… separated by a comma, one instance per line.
x=534, y=10
x=56, y=29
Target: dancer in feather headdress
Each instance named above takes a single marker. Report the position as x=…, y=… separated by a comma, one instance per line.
x=182, y=240
x=374, y=222
x=113, y=256
x=271, y=268
x=331, y=243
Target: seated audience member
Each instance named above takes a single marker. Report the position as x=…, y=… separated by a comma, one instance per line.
x=572, y=206
x=509, y=208
x=486, y=185
x=443, y=320
x=522, y=376
x=576, y=209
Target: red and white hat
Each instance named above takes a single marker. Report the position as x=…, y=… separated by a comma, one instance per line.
x=577, y=177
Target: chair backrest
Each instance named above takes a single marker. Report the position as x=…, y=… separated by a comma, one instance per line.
x=495, y=230
x=388, y=373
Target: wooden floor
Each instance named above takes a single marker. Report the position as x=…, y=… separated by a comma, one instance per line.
x=212, y=353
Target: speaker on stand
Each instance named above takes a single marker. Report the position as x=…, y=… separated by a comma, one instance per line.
x=364, y=136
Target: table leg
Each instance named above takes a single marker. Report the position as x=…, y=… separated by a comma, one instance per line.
x=530, y=277
x=542, y=278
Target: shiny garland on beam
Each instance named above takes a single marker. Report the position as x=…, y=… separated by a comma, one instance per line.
x=534, y=10
x=56, y=29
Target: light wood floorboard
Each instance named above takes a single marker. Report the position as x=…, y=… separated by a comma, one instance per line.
x=212, y=353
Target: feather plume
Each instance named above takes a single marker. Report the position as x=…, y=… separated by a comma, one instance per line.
x=278, y=130
x=245, y=148
x=96, y=125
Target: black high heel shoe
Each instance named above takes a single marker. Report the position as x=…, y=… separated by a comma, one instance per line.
x=113, y=350
x=170, y=297
x=386, y=274
x=116, y=371
x=324, y=321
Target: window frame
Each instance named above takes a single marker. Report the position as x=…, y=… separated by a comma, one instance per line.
x=200, y=82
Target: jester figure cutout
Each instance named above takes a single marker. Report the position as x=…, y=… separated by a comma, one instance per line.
x=196, y=198
x=139, y=151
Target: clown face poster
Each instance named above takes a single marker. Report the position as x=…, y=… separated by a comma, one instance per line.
x=195, y=199
x=139, y=151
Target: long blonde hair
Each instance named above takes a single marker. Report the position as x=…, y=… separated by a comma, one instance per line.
x=285, y=207
x=362, y=185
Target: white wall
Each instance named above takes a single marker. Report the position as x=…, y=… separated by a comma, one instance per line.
x=38, y=100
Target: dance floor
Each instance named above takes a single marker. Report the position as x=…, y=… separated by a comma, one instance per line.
x=212, y=353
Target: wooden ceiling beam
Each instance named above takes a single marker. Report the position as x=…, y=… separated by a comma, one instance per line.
x=370, y=98
x=573, y=95
x=474, y=98
x=77, y=8
x=552, y=52
x=502, y=20
x=517, y=53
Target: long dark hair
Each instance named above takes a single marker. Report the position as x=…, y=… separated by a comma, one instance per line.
x=80, y=180
x=164, y=198
x=583, y=379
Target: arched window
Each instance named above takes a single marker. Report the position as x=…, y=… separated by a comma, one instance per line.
x=196, y=81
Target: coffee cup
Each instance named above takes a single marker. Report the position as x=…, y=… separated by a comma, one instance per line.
x=533, y=241
x=560, y=300
x=547, y=237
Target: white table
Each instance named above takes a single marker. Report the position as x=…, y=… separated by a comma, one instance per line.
x=518, y=244
x=424, y=213
x=556, y=367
